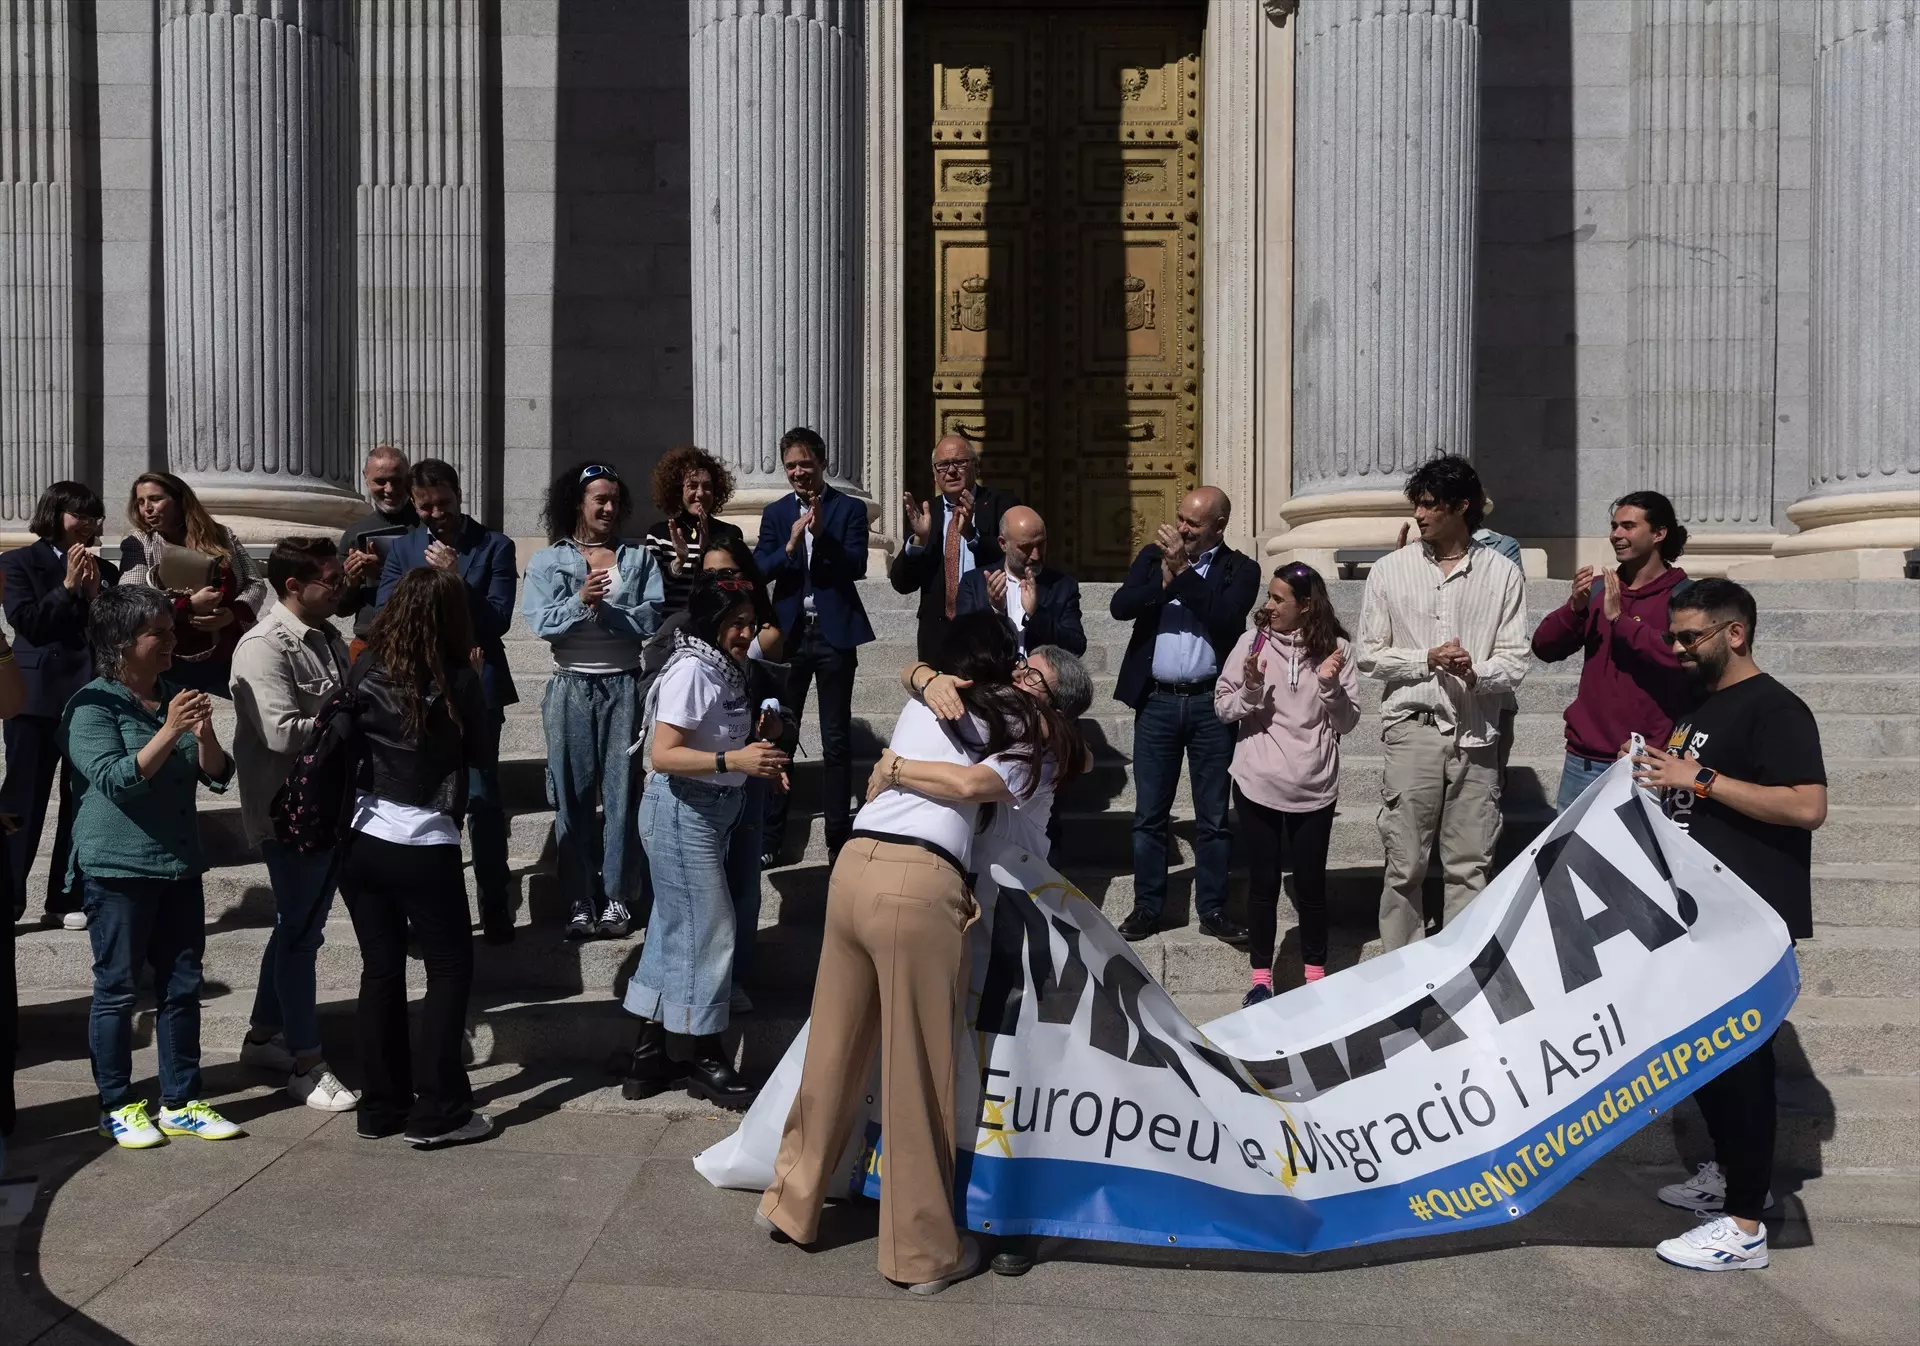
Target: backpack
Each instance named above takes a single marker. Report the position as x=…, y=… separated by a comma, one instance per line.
x=312, y=809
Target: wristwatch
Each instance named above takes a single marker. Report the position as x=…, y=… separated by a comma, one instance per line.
x=720, y=763
x=1703, y=782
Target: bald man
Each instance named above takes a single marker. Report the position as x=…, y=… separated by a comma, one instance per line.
x=1042, y=604
x=1188, y=596
x=948, y=537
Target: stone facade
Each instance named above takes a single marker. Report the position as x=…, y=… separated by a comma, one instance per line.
x=1598, y=245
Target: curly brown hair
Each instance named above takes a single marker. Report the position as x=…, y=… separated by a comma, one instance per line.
x=423, y=633
x=673, y=468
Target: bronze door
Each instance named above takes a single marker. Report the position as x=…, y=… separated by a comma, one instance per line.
x=1054, y=262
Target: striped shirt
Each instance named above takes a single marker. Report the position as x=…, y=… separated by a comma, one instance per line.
x=1412, y=606
x=659, y=539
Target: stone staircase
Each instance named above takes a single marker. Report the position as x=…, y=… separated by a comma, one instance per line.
x=1851, y=1054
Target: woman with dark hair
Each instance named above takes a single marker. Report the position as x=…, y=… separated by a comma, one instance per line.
x=1290, y=690
x=213, y=586
x=702, y=723
x=50, y=587
x=140, y=747
x=417, y=700
x=595, y=599
x=893, y=964
x=690, y=488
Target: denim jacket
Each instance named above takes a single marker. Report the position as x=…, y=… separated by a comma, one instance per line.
x=550, y=598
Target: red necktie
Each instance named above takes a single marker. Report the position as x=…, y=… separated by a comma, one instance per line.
x=954, y=541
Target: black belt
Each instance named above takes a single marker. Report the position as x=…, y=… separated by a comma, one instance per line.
x=895, y=839
x=1199, y=687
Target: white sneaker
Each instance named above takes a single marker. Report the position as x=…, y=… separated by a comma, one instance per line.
x=738, y=1003
x=130, y=1127
x=1705, y=1193
x=321, y=1090
x=1717, y=1245
x=476, y=1127
x=269, y=1055
x=197, y=1119
x=74, y=920
x=969, y=1264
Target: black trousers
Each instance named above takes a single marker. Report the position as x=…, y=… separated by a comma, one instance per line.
x=1741, y=1111
x=814, y=660
x=393, y=891
x=1294, y=841
x=33, y=764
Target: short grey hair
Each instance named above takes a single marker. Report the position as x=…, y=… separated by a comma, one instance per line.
x=115, y=620
x=1072, y=688
x=973, y=449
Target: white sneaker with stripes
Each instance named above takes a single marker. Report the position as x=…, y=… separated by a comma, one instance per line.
x=1717, y=1245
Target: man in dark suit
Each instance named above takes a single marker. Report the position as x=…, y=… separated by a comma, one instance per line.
x=450, y=539
x=1042, y=604
x=813, y=551
x=948, y=537
x=50, y=587
x=1187, y=595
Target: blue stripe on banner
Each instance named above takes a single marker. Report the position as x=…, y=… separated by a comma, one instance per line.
x=1074, y=1199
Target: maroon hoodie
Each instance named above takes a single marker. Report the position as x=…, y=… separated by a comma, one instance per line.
x=1630, y=680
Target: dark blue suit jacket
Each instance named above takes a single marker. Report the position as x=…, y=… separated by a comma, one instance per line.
x=839, y=563
x=1056, y=612
x=486, y=564
x=1221, y=600
x=49, y=625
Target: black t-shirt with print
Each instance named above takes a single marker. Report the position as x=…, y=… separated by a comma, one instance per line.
x=1758, y=732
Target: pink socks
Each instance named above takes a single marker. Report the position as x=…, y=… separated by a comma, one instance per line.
x=1263, y=976
x=1315, y=972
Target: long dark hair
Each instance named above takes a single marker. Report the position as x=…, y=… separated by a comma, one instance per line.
x=560, y=516
x=743, y=567
x=716, y=595
x=1659, y=512
x=422, y=635
x=1320, y=629
x=980, y=648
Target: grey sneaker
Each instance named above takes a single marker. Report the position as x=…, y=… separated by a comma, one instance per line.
x=969, y=1265
x=477, y=1127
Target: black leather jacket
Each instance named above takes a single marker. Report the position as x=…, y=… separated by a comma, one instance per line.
x=427, y=772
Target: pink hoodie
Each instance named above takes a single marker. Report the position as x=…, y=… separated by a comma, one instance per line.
x=1288, y=754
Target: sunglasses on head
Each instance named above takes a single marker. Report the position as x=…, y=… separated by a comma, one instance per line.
x=594, y=471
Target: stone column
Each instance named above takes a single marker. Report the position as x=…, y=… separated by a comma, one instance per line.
x=776, y=202
x=256, y=174
x=1387, y=145
x=1864, y=454
x=421, y=296
x=1706, y=212
x=39, y=393
x=883, y=365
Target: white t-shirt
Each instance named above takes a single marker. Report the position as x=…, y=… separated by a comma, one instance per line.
x=920, y=736
x=693, y=699
x=1016, y=608
x=1022, y=824
x=403, y=824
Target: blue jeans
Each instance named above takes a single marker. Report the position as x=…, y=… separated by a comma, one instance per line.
x=162, y=922
x=686, y=965
x=743, y=873
x=302, y=897
x=1578, y=773
x=487, y=822
x=1163, y=729
x=589, y=719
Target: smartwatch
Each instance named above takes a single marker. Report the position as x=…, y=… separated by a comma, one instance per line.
x=720, y=763
x=1703, y=782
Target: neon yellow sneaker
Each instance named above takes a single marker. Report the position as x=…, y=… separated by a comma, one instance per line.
x=129, y=1127
x=197, y=1119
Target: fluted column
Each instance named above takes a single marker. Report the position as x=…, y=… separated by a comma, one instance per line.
x=422, y=316
x=776, y=195
x=1706, y=210
x=1387, y=145
x=256, y=176
x=883, y=362
x=39, y=394
x=1864, y=451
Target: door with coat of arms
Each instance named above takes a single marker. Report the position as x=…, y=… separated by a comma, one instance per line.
x=1053, y=261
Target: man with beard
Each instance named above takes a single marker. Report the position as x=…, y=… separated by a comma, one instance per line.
x=1743, y=775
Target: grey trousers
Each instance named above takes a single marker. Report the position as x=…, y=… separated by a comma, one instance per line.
x=1432, y=787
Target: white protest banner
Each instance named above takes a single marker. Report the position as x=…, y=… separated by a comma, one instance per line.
x=1604, y=975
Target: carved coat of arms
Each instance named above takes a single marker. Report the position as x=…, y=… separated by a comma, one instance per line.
x=1133, y=304
x=967, y=309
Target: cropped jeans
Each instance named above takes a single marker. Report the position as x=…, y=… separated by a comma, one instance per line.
x=686, y=966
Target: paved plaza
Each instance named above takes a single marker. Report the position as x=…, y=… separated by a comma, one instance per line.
x=583, y=1221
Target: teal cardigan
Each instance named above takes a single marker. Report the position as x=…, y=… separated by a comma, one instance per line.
x=126, y=826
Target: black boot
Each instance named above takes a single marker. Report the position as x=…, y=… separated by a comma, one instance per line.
x=649, y=1070
x=710, y=1075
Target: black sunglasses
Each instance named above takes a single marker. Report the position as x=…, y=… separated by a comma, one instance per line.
x=1686, y=640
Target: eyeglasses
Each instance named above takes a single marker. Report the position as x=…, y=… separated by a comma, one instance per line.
x=593, y=471
x=952, y=467
x=1023, y=669
x=733, y=586
x=1686, y=640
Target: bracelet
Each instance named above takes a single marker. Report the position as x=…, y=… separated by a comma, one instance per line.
x=893, y=775
x=919, y=688
x=720, y=763
x=6, y=658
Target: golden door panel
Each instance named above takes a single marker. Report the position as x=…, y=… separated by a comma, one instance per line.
x=1052, y=258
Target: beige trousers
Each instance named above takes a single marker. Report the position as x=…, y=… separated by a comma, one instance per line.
x=1432, y=787
x=893, y=970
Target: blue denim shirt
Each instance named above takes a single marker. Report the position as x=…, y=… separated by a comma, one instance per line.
x=550, y=598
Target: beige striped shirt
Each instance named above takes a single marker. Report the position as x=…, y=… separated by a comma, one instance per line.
x=1412, y=606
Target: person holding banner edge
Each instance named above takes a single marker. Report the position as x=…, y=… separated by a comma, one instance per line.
x=1743, y=774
